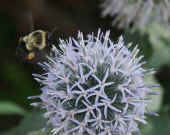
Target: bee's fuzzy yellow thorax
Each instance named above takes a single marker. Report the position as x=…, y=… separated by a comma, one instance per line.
x=36, y=39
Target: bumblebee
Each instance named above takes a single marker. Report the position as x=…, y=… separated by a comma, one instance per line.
x=34, y=46
x=36, y=39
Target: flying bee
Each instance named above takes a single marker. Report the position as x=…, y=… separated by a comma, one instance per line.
x=36, y=39
x=35, y=46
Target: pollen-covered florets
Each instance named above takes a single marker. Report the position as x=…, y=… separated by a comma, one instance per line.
x=137, y=13
x=94, y=87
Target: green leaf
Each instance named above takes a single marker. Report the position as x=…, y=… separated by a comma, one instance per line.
x=39, y=133
x=159, y=37
x=32, y=122
x=157, y=125
x=7, y=107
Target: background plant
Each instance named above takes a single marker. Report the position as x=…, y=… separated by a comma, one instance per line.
x=68, y=17
x=137, y=14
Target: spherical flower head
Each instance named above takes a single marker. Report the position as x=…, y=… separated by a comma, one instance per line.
x=137, y=12
x=93, y=86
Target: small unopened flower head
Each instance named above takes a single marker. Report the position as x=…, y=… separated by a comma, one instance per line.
x=137, y=12
x=93, y=86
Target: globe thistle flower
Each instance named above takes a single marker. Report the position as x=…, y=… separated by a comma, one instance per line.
x=94, y=87
x=137, y=12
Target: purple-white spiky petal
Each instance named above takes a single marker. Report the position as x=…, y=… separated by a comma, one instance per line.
x=93, y=86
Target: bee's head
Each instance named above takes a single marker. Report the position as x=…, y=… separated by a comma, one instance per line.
x=21, y=50
x=21, y=41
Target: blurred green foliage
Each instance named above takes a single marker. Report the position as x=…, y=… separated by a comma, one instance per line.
x=31, y=123
x=11, y=108
x=39, y=133
x=16, y=82
x=159, y=37
x=157, y=125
